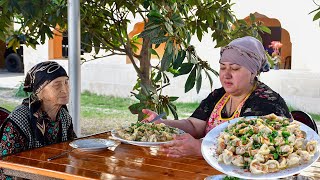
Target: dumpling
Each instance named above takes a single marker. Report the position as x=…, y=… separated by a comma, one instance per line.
x=299, y=142
x=240, y=150
x=311, y=147
x=293, y=127
x=227, y=157
x=259, y=157
x=293, y=159
x=304, y=155
x=231, y=148
x=221, y=146
x=258, y=168
x=238, y=160
x=264, y=149
x=278, y=141
x=282, y=162
x=292, y=139
x=273, y=165
x=285, y=150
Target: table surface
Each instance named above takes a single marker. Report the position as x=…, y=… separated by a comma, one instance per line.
x=123, y=162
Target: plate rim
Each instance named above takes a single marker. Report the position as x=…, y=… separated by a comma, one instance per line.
x=255, y=176
x=113, y=143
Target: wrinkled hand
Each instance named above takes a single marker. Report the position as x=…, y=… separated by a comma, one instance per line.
x=182, y=145
x=151, y=115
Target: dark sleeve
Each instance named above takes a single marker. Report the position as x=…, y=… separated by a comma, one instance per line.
x=12, y=141
x=264, y=103
x=71, y=134
x=206, y=106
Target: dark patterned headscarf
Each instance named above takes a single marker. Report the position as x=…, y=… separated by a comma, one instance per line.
x=42, y=74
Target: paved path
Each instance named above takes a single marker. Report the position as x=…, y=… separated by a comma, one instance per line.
x=10, y=80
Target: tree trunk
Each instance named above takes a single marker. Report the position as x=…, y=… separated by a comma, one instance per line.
x=145, y=68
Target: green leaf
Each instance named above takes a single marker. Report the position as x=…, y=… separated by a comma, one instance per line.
x=198, y=83
x=154, y=52
x=180, y=57
x=159, y=40
x=140, y=97
x=166, y=109
x=169, y=28
x=136, y=108
x=185, y=68
x=199, y=33
x=167, y=57
x=265, y=29
x=252, y=17
x=154, y=13
x=317, y=16
x=173, y=110
x=173, y=98
x=209, y=77
x=158, y=77
x=190, y=81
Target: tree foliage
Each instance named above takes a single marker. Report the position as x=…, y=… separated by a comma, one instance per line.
x=316, y=12
x=104, y=25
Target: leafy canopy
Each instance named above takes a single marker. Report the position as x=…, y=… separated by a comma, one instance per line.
x=104, y=26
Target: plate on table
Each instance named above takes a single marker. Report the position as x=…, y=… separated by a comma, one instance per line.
x=92, y=144
x=210, y=142
x=116, y=136
x=221, y=177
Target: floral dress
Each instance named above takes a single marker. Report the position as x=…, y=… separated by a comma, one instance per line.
x=18, y=133
x=261, y=101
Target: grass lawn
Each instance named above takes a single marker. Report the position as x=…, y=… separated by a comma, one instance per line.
x=100, y=113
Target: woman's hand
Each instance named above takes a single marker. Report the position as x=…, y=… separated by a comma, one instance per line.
x=151, y=115
x=182, y=145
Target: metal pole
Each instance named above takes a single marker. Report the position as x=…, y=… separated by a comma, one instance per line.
x=74, y=61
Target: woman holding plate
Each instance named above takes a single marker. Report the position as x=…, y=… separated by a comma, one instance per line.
x=241, y=94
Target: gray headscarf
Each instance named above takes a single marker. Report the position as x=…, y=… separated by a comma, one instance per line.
x=247, y=52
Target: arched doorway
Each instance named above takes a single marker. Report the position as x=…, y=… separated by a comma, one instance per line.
x=277, y=34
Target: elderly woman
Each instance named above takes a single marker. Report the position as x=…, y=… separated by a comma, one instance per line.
x=43, y=118
x=241, y=95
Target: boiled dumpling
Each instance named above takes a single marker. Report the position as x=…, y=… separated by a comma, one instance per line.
x=227, y=157
x=264, y=149
x=311, y=147
x=258, y=168
x=304, y=155
x=273, y=165
x=293, y=159
x=238, y=160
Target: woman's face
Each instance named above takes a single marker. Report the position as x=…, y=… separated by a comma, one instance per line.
x=235, y=79
x=56, y=92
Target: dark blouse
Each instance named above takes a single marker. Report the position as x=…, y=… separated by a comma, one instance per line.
x=14, y=139
x=262, y=101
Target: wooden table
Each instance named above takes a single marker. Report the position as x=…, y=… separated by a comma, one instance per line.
x=123, y=162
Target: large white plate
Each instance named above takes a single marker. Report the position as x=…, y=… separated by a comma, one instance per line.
x=138, y=143
x=208, y=150
x=92, y=144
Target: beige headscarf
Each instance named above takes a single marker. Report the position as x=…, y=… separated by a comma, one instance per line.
x=247, y=52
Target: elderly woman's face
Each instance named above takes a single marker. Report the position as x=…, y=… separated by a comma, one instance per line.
x=235, y=79
x=56, y=92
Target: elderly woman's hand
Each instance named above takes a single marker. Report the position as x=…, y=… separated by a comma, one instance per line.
x=151, y=115
x=182, y=145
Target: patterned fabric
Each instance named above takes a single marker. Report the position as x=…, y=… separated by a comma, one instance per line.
x=17, y=134
x=217, y=117
x=262, y=101
x=42, y=74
